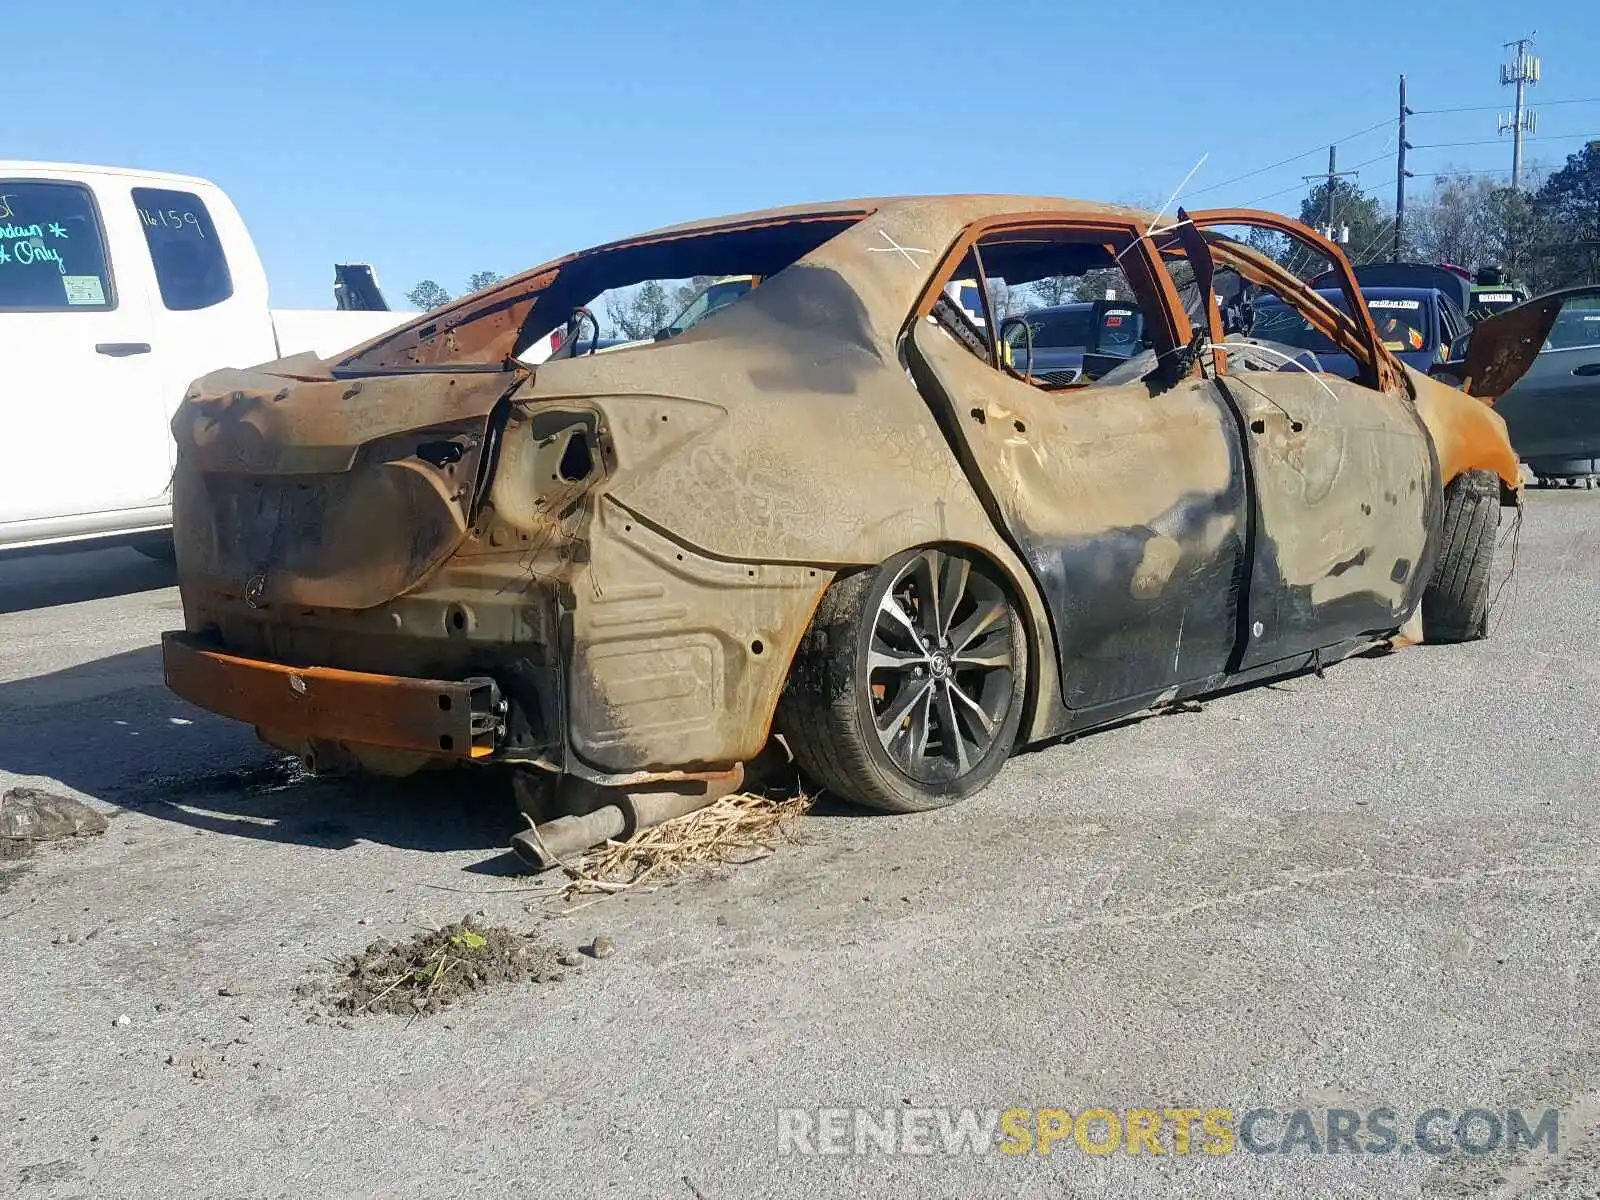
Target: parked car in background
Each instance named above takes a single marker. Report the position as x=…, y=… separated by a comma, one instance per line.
x=117, y=288
x=1492, y=293
x=1419, y=325
x=1052, y=344
x=831, y=509
x=1452, y=282
x=1553, y=413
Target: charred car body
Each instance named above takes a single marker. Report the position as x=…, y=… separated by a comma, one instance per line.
x=832, y=509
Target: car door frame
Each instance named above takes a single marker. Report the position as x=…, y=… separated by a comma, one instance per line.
x=1331, y=565
x=1197, y=520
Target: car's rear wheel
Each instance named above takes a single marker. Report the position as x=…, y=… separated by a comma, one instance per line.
x=907, y=690
x=1455, y=606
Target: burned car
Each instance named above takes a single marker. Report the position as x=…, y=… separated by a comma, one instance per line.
x=832, y=510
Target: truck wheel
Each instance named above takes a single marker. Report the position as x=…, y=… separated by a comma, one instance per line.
x=1455, y=606
x=908, y=688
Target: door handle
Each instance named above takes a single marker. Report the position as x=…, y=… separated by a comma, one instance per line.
x=121, y=349
x=1587, y=369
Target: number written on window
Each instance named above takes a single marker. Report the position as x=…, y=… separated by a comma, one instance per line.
x=172, y=218
x=191, y=268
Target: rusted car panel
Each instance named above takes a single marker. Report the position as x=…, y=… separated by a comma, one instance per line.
x=1503, y=347
x=437, y=718
x=633, y=545
x=282, y=479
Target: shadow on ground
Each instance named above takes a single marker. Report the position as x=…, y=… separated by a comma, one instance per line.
x=46, y=580
x=109, y=729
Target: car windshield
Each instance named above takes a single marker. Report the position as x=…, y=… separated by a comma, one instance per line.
x=1577, y=326
x=1487, y=303
x=1401, y=324
x=1121, y=330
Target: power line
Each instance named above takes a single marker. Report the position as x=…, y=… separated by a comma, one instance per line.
x=1211, y=187
x=1543, y=137
x=1431, y=112
x=1294, y=187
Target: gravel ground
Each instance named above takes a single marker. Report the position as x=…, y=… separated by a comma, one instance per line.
x=1372, y=889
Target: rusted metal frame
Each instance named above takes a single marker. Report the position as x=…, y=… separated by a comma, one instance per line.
x=988, y=308
x=1382, y=369
x=443, y=718
x=524, y=288
x=1172, y=322
x=1185, y=240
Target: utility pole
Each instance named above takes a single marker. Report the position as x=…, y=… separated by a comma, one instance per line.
x=1400, y=177
x=1522, y=73
x=1331, y=231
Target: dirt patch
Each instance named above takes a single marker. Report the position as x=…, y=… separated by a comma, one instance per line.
x=437, y=968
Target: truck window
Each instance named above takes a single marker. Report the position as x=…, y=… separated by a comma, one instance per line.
x=52, y=254
x=191, y=268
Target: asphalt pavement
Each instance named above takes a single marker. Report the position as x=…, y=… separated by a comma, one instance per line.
x=1374, y=890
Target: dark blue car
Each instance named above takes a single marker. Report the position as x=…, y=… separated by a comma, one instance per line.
x=1063, y=334
x=1418, y=324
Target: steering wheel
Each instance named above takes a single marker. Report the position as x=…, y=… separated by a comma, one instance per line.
x=1026, y=374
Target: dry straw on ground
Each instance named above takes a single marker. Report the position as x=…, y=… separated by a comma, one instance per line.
x=737, y=829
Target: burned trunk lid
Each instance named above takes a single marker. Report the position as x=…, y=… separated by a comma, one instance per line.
x=296, y=488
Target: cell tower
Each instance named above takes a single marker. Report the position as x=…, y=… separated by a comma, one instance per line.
x=1522, y=72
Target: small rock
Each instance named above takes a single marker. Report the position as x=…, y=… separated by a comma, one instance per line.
x=123, y=1021
x=161, y=1006
x=722, y=920
x=569, y=959
x=364, y=921
x=244, y=1017
x=602, y=947
x=170, y=1060
x=60, y=939
x=228, y=990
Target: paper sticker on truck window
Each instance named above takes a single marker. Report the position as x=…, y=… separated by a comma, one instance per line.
x=1496, y=297
x=1406, y=304
x=83, y=289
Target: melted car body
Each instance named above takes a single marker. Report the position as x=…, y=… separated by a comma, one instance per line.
x=629, y=568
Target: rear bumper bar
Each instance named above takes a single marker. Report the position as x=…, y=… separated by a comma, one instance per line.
x=446, y=718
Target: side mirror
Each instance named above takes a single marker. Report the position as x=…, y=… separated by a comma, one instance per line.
x=661, y=335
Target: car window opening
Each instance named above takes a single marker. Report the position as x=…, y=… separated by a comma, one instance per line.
x=655, y=290
x=1067, y=315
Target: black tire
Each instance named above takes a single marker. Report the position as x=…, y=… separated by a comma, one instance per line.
x=1455, y=606
x=876, y=718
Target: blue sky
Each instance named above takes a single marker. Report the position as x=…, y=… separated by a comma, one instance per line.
x=433, y=140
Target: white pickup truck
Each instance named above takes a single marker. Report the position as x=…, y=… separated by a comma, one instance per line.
x=117, y=288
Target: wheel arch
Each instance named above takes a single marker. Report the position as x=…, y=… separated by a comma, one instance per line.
x=1041, y=695
x=1467, y=435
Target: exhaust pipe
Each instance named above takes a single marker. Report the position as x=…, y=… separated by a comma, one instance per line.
x=619, y=815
